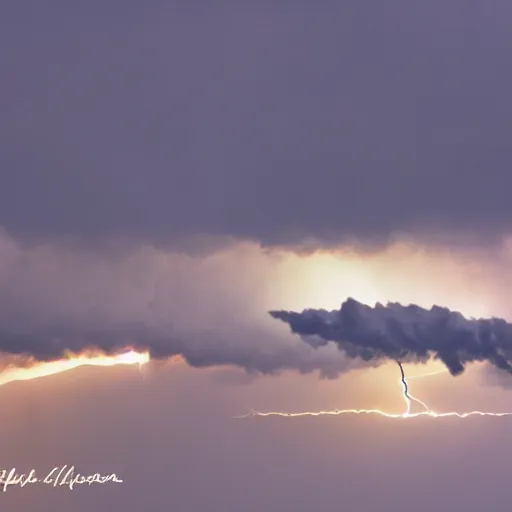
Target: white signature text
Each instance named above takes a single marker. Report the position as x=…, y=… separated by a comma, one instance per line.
x=58, y=477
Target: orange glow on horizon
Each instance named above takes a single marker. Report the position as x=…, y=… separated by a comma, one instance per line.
x=45, y=369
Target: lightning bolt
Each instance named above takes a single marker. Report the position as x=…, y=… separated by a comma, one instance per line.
x=408, y=398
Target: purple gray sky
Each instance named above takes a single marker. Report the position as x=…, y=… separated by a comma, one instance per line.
x=162, y=162
x=265, y=120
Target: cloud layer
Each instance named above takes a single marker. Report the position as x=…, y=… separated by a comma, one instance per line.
x=210, y=305
x=337, y=120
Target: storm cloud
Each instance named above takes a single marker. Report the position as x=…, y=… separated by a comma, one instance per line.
x=406, y=334
x=210, y=305
x=199, y=350
x=329, y=120
x=206, y=306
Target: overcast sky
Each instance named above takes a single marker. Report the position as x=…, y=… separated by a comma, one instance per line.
x=129, y=126
x=271, y=120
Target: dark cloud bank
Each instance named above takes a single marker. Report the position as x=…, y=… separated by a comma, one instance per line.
x=370, y=334
x=332, y=120
x=405, y=333
x=265, y=353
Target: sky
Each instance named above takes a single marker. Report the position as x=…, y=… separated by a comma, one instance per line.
x=191, y=166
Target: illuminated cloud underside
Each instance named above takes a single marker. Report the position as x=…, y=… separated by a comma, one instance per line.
x=38, y=370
